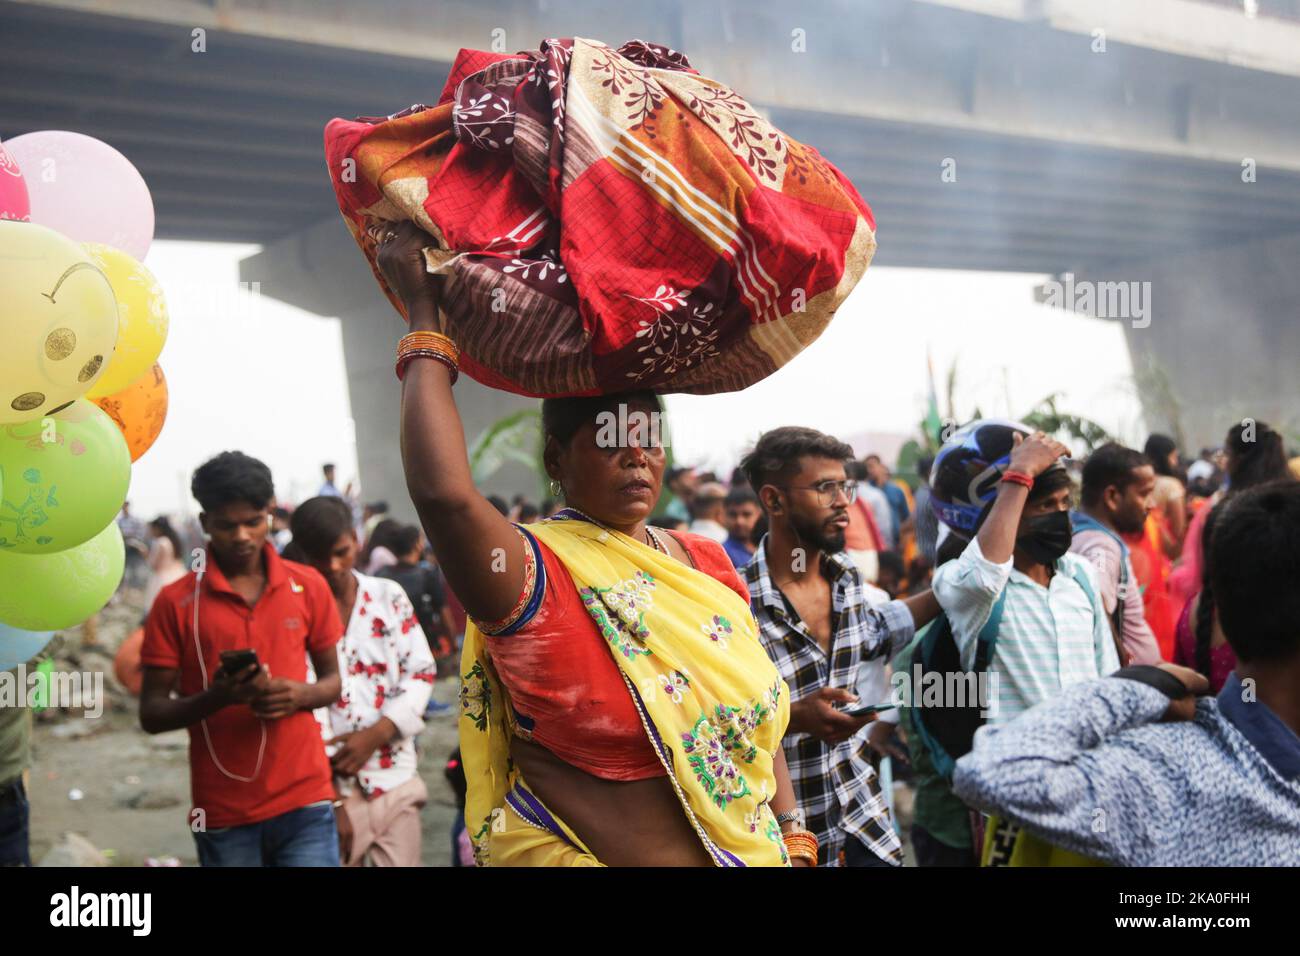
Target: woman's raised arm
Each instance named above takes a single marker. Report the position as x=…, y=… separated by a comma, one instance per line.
x=480, y=552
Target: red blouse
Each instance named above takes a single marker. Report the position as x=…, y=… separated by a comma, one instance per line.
x=1223, y=660
x=566, y=689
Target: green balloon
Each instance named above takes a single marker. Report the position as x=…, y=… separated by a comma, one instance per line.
x=48, y=592
x=65, y=477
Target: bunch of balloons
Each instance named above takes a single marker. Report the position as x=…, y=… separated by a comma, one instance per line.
x=81, y=394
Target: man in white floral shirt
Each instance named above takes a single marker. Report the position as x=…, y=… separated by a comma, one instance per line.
x=387, y=672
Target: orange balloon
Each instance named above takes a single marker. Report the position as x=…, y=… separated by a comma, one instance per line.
x=139, y=410
x=126, y=665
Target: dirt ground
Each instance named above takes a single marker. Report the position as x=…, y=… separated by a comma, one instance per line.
x=128, y=793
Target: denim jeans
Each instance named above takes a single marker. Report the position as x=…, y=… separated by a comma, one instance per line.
x=307, y=836
x=14, y=849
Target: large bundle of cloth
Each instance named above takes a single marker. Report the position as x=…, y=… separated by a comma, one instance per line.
x=608, y=220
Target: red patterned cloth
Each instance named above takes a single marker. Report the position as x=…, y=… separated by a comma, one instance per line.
x=608, y=220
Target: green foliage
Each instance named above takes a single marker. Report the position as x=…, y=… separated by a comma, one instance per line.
x=908, y=456
x=931, y=430
x=1046, y=417
x=518, y=437
x=512, y=438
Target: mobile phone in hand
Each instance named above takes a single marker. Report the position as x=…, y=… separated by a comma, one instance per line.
x=236, y=662
x=866, y=710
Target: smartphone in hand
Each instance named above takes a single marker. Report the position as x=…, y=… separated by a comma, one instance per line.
x=236, y=662
x=867, y=710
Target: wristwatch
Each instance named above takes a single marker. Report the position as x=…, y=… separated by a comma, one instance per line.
x=795, y=816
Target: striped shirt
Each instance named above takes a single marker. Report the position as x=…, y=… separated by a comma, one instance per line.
x=834, y=784
x=1050, y=638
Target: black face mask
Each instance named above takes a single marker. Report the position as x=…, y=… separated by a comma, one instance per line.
x=1047, y=537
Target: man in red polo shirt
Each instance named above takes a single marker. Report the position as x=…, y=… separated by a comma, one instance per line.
x=260, y=779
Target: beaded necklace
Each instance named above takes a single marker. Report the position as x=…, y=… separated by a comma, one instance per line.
x=651, y=535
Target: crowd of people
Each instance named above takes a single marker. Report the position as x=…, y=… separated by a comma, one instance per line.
x=736, y=673
x=1071, y=661
x=1102, y=600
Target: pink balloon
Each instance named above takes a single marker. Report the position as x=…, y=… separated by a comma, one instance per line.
x=14, y=203
x=85, y=189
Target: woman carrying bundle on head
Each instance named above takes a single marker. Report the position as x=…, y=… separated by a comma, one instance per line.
x=617, y=707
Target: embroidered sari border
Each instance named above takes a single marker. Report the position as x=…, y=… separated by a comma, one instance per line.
x=530, y=599
x=533, y=812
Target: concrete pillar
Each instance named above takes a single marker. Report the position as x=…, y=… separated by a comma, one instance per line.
x=321, y=270
x=1223, y=341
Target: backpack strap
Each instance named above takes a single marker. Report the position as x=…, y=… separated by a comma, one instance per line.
x=1083, y=522
x=1080, y=577
x=1086, y=522
x=987, y=640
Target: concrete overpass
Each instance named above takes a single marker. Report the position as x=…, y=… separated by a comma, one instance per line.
x=1099, y=137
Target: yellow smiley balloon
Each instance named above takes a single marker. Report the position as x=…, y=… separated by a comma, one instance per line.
x=142, y=318
x=58, y=321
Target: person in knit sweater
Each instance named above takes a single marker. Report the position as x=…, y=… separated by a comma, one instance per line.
x=1135, y=769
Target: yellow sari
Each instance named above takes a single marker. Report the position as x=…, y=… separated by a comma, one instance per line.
x=711, y=702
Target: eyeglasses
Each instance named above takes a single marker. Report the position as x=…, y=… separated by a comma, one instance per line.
x=828, y=489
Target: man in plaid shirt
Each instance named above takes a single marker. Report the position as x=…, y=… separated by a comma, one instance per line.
x=806, y=594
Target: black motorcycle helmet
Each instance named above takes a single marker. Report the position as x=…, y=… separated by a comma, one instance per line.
x=967, y=469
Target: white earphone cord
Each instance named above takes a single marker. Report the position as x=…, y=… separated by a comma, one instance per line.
x=203, y=670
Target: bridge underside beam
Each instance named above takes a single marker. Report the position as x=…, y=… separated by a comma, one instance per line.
x=1064, y=158
x=1035, y=74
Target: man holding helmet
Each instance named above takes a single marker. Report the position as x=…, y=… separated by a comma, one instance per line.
x=1005, y=485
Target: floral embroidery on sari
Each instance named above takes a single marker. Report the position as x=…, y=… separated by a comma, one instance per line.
x=715, y=767
x=716, y=743
x=476, y=696
x=773, y=832
x=774, y=694
x=629, y=601
x=674, y=684
x=718, y=630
